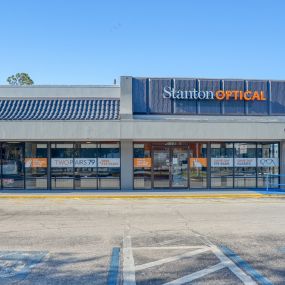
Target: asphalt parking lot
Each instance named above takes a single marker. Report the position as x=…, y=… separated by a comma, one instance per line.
x=142, y=241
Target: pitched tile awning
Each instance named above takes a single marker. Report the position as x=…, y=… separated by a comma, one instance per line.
x=59, y=109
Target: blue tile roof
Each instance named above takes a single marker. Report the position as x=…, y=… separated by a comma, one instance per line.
x=59, y=109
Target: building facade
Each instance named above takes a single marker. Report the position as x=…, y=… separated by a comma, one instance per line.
x=147, y=133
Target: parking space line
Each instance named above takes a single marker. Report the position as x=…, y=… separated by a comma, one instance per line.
x=245, y=266
x=196, y=275
x=227, y=258
x=129, y=276
x=246, y=279
x=171, y=259
x=114, y=267
x=168, y=247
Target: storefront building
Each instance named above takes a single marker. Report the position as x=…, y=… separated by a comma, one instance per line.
x=147, y=133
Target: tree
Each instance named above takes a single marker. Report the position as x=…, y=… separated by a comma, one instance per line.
x=20, y=79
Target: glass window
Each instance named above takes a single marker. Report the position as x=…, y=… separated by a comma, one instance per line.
x=142, y=165
x=161, y=166
x=62, y=171
x=36, y=165
x=13, y=165
x=245, y=165
x=85, y=165
x=221, y=165
x=267, y=165
x=198, y=165
x=109, y=165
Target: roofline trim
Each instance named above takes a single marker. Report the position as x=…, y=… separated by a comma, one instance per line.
x=60, y=86
x=59, y=98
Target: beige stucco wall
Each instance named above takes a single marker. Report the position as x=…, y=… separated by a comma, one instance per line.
x=197, y=130
x=140, y=130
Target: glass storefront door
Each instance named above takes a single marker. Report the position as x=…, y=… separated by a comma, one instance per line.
x=12, y=165
x=179, y=167
x=161, y=167
x=170, y=167
x=85, y=165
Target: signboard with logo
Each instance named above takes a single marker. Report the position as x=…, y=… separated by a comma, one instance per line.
x=78, y=162
x=237, y=95
x=207, y=96
x=142, y=162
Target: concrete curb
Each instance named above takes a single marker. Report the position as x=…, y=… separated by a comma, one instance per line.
x=197, y=196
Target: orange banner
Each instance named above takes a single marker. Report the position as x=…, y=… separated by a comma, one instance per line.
x=198, y=162
x=142, y=162
x=36, y=162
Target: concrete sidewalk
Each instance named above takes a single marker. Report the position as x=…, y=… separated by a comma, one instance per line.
x=134, y=194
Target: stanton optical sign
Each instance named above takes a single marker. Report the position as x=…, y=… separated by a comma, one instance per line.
x=237, y=95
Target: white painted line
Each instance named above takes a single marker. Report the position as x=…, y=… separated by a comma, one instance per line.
x=169, y=241
x=129, y=275
x=246, y=279
x=196, y=275
x=171, y=259
x=168, y=247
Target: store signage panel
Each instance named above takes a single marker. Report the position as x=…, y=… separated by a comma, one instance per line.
x=183, y=96
x=78, y=162
x=245, y=162
x=267, y=162
x=35, y=162
x=142, y=162
x=85, y=162
x=222, y=162
x=237, y=95
x=198, y=162
x=108, y=162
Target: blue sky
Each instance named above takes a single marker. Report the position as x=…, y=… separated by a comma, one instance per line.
x=93, y=42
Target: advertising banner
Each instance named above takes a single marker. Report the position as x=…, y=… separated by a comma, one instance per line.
x=245, y=162
x=142, y=162
x=35, y=162
x=267, y=162
x=198, y=162
x=221, y=162
x=108, y=162
x=78, y=162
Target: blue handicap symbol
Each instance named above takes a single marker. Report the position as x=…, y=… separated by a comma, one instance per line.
x=18, y=264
